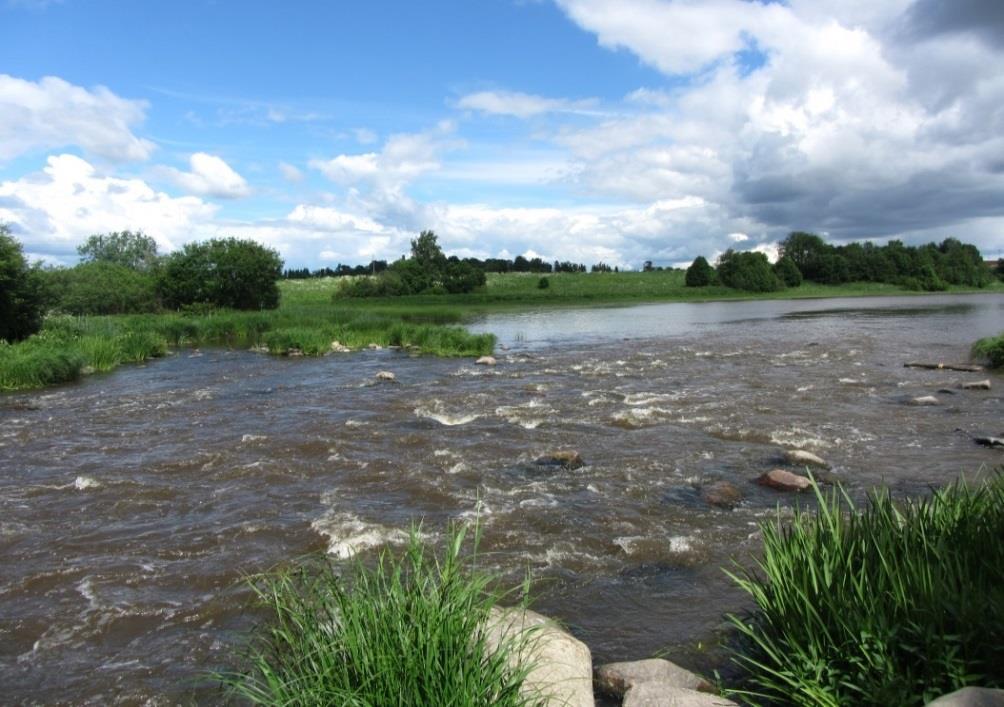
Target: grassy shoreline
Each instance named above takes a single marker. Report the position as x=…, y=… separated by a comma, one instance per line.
x=309, y=319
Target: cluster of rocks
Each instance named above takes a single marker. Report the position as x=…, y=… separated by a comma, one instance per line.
x=932, y=400
x=563, y=671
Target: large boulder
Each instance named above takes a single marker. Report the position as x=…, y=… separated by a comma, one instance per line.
x=799, y=457
x=617, y=678
x=563, y=665
x=970, y=697
x=568, y=459
x=653, y=694
x=783, y=480
x=722, y=494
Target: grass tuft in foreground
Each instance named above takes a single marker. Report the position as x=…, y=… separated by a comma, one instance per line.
x=990, y=349
x=408, y=631
x=892, y=605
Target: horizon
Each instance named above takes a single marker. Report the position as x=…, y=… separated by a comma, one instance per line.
x=582, y=130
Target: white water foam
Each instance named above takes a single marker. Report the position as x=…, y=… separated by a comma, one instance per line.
x=348, y=535
x=82, y=483
x=435, y=410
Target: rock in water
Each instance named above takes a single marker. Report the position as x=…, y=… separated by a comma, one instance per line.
x=385, y=376
x=722, y=494
x=925, y=401
x=375, y=347
x=970, y=697
x=563, y=665
x=976, y=385
x=783, y=480
x=339, y=347
x=653, y=694
x=617, y=678
x=798, y=457
x=486, y=361
x=989, y=441
x=566, y=460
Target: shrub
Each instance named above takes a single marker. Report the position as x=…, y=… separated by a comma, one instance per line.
x=543, y=283
x=22, y=296
x=990, y=349
x=232, y=273
x=788, y=272
x=102, y=287
x=748, y=271
x=700, y=273
x=893, y=605
x=407, y=631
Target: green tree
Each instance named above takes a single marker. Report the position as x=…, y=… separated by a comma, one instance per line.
x=226, y=272
x=805, y=250
x=700, y=273
x=788, y=272
x=461, y=277
x=132, y=250
x=22, y=296
x=748, y=271
x=102, y=287
x=426, y=252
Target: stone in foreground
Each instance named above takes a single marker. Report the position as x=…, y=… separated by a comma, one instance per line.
x=970, y=697
x=925, y=401
x=799, y=457
x=617, y=678
x=566, y=460
x=385, y=376
x=782, y=480
x=722, y=494
x=486, y=361
x=976, y=385
x=563, y=671
x=651, y=694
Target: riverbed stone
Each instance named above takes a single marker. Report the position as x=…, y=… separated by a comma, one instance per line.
x=924, y=401
x=566, y=459
x=993, y=442
x=294, y=352
x=486, y=361
x=339, y=347
x=783, y=480
x=563, y=665
x=976, y=385
x=800, y=457
x=722, y=494
x=375, y=347
x=654, y=694
x=385, y=376
x=617, y=678
x=970, y=697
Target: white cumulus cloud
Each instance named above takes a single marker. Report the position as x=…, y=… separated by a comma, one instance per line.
x=210, y=176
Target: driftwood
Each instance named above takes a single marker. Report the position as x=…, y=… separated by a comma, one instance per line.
x=964, y=367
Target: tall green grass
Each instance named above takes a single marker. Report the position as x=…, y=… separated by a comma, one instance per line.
x=410, y=630
x=990, y=349
x=891, y=605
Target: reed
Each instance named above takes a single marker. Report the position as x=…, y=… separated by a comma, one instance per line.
x=891, y=605
x=409, y=630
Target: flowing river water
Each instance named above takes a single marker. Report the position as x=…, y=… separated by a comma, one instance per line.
x=132, y=504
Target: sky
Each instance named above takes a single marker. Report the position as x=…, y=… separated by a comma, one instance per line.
x=588, y=130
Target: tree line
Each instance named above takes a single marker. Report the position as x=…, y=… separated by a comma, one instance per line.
x=931, y=267
x=122, y=273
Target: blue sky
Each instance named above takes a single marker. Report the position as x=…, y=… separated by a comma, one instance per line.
x=590, y=130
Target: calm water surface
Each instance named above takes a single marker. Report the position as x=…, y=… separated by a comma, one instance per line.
x=132, y=504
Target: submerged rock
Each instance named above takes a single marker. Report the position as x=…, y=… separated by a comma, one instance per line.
x=617, y=678
x=977, y=385
x=652, y=694
x=385, y=376
x=568, y=459
x=799, y=457
x=970, y=697
x=486, y=361
x=563, y=665
x=924, y=401
x=722, y=494
x=783, y=480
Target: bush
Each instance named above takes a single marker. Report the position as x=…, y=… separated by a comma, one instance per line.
x=991, y=350
x=748, y=271
x=22, y=296
x=700, y=273
x=102, y=287
x=543, y=283
x=232, y=273
x=408, y=631
x=788, y=272
x=894, y=605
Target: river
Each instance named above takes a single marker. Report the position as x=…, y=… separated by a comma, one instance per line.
x=132, y=504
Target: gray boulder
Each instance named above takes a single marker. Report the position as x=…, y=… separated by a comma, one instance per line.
x=385, y=376
x=977, y=385
x=970, y=697
x=799, y=457
x=486, y=361
x=563, y=665
x=783, y=480
x=652, y=694
x=924, y=401
x=617, y=678
x=722, y=494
